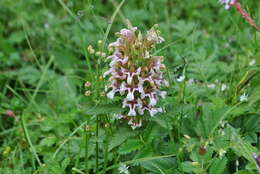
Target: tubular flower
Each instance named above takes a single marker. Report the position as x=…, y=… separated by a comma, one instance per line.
x=135, y=74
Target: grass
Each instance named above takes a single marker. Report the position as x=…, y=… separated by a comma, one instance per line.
x=56, y=129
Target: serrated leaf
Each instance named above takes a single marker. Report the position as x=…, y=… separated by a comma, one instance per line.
x=218, y=166
x=241, y=147
x=65, y=163
x=118, y=139
x=164, y=165
x=145, y=152
x=130, y=146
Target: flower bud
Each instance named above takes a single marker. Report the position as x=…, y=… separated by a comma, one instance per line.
x=98, y=53
x=87, y=93
x=87, y=84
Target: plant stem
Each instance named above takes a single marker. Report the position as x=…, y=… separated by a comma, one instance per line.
x=105, y=152
x=97, y=144
x=27, y=137
x=86, y=151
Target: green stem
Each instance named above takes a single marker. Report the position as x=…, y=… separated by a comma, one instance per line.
x=97, y=144
x=106, y=152
x=86, y=151
x=27, y=137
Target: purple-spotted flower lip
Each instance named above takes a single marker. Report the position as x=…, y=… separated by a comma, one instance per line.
x=134, y=124
x=132, y=106
x=152, y=111
x=130, y=74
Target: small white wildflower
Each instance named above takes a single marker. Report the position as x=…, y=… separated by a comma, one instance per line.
x=227, y=3
x=123, y=169
x=252, y=62
x=243, y=97
x=211, y=85
x=180, y=79
x=223, y=87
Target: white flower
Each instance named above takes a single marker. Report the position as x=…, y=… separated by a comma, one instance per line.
x=223, y=87
x=123, y=169
x=243, y=97
x=227, y=3
x=134, y=125
x=252, y=62
x=132, y=105
x=180, y=79
x=130, y=75
x=111, y=94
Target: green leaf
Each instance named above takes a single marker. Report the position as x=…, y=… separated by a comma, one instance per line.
x=218, y=166
x=48, y=141
x=65, y=163
x=188, y=167
x=118, y=139
x=130, y=146
x=165, y=165
x=29, y=75
x=242, y=147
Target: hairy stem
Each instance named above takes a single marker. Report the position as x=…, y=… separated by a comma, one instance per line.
x=246, y=16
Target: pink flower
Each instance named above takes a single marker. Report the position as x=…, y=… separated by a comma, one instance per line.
x=136, y=75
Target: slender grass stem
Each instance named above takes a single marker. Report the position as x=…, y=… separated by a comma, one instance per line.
x=97, y=143
x=29, y=140
x=106, y=151
x=86, y=151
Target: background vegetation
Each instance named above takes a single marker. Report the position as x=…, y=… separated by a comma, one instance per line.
x=53, y=129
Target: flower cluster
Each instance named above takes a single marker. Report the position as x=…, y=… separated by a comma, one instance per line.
x=227, y=3
x=135, y=74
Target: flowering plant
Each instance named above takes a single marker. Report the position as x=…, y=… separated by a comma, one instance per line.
x=135, y=74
